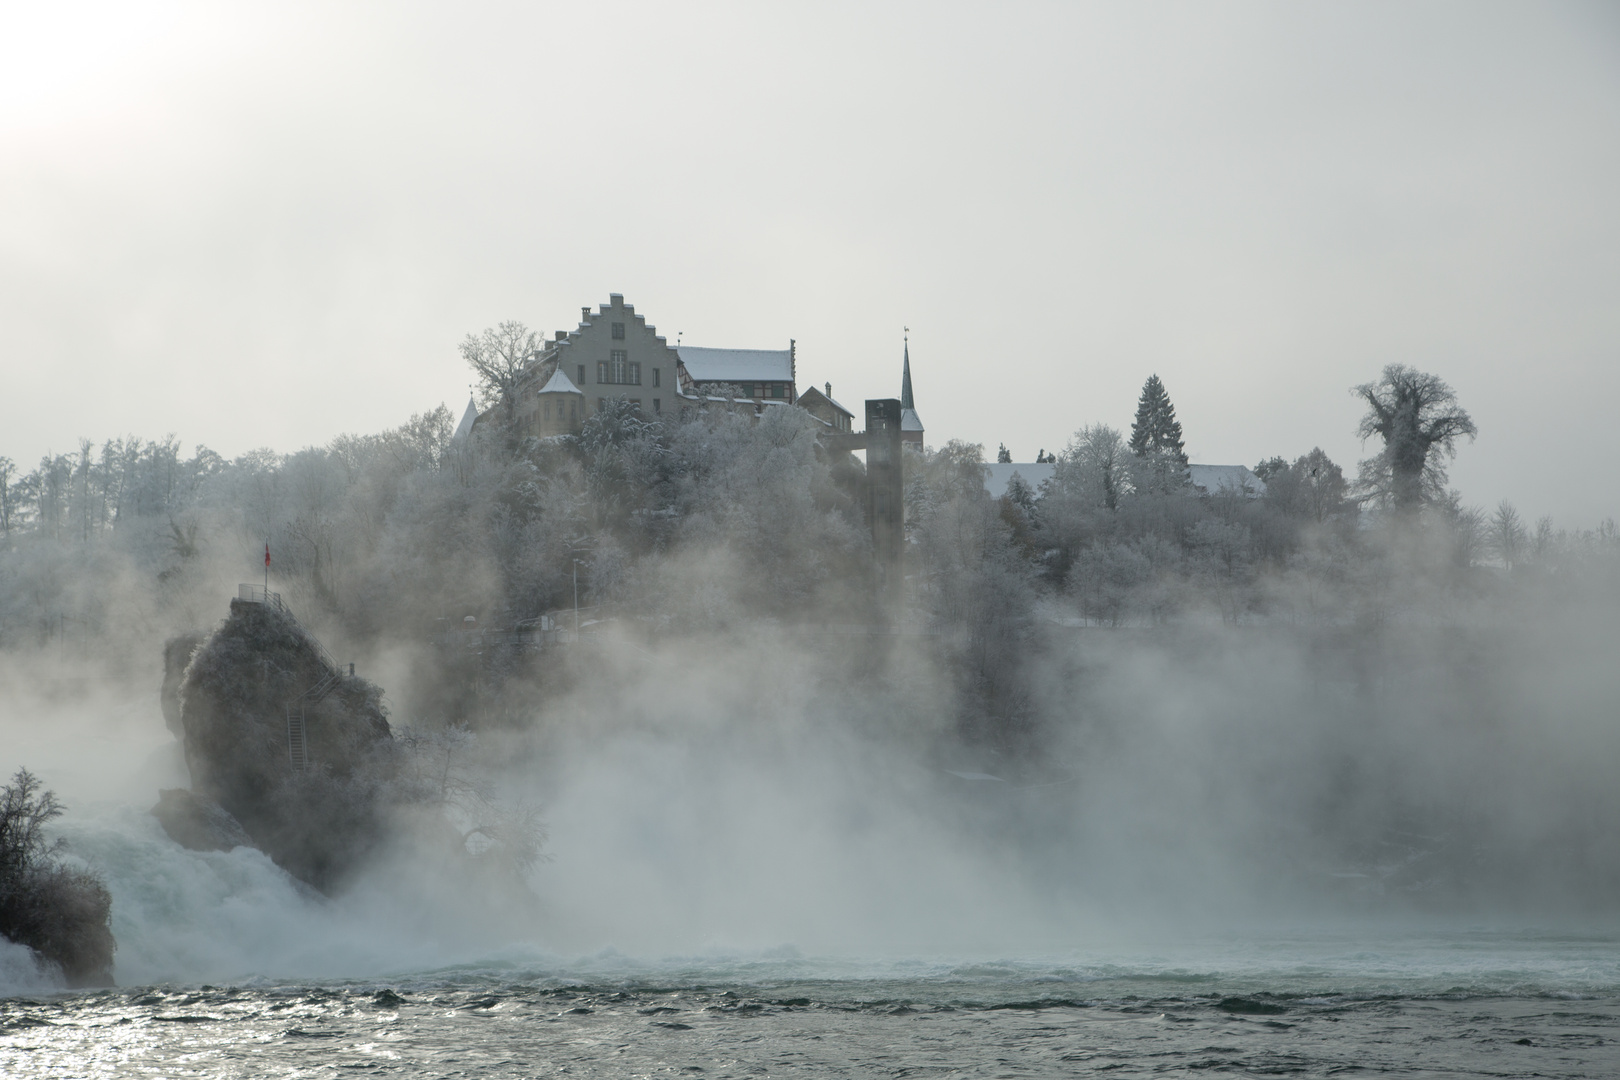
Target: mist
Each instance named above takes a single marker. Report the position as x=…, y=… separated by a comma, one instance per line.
x=1180, y=716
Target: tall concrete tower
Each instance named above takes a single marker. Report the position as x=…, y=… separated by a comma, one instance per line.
x=885, y=488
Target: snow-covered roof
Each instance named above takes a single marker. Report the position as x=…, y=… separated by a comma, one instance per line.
x=824, y=396
x=468, y=418
x=1226, y=480
x=910, y=421
x=999, y=474
x=559, y=384
x=736, y=365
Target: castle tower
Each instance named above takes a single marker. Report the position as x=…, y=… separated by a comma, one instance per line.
x=911, y=426
x=885, y=490
x=559, y=406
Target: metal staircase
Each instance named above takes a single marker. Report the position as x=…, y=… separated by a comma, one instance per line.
x=297, y=744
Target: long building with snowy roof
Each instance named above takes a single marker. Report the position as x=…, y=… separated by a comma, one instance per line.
x=766, y=374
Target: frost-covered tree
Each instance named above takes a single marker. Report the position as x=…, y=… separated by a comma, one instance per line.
x=1313, y=488
x=1093, y=467
x=1417, y=417
x=1003, y=455
x=7, y=469
x=1271, y=468
x=1506, y=536
x=1466, y=529
x=60, y=912
x=498, y=358
x=1156, y=439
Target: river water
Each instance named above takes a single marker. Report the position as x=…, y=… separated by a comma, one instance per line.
x=229, y=968
x=1481, y=1003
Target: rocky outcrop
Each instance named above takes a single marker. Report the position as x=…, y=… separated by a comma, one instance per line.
x=318, y=821
x=177, y=653
x=198, y=823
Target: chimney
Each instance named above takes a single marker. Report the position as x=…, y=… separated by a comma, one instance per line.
x=616, y=299
x=829, y=391
x=584, y=314
x=562, y=335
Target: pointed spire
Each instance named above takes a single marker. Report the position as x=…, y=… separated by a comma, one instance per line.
x=468, y=419
x=911, y=426
x=905, y=378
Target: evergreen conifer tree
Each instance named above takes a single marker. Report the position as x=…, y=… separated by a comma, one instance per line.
x=1156, y=438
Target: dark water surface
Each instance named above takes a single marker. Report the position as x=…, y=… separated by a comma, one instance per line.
x=1526, y=1008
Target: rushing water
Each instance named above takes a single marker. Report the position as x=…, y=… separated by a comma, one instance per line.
x=1467, y=1005
x=228, y=968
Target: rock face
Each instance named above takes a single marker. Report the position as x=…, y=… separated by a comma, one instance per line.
x=196, y=823
x=320, y=821
x=177, y=652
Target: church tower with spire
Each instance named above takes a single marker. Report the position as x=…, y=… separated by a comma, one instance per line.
x=911, y=426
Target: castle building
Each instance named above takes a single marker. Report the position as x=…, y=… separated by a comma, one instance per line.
x=765, y=374
x=824, y=408
x=615, y=353
x=559, y=406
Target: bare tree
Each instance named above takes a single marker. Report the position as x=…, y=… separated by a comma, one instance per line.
x=1417, y=417
x=1507, y=537
x=1313, y=488
x=1093, y=467
x=7, y=469
x=61, y=912
x=1468, y=529
x=499, y=357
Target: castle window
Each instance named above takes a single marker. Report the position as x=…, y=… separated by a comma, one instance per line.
x=618, y=331
x=582, y=374
x=656, y=373
x=618, y=370
x=777, y=390
x=658, y=403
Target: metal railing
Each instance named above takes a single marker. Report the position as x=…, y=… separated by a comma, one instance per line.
x=258, y=594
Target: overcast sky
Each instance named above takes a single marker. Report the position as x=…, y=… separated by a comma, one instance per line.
x=266, y=225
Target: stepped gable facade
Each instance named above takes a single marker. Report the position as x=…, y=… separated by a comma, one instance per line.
x=614, y=353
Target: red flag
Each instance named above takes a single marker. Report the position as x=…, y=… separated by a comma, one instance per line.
x=267, y=556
